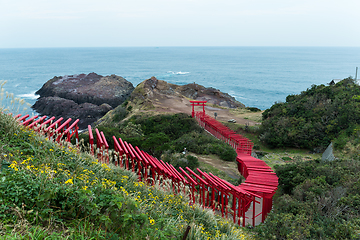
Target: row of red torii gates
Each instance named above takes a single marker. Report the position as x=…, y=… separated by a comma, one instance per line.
x=246, y=204
x=261, y=181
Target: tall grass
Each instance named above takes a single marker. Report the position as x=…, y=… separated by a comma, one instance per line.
x=11, y=104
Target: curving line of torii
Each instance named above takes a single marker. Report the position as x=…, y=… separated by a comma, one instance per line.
x=246, y=204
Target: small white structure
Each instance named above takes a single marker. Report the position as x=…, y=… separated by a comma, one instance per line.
x=328, y=154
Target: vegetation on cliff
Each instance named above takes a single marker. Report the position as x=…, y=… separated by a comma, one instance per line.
x=315, y=117
x=316, y=200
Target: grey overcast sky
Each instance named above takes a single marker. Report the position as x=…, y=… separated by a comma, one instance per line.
x=118, y=23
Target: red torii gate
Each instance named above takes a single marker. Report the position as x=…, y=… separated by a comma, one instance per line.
x=197, y=103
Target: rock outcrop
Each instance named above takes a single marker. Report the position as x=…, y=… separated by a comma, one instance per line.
x=154, y=89
x=87, y=97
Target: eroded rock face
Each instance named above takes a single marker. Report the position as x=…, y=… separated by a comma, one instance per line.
x=152, y=88
x=211, y=95
x=90, y=88
x=86, y=97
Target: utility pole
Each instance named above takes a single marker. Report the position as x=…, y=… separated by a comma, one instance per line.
x=356, y=74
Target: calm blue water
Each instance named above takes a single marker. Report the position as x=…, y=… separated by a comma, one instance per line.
x=255, y=76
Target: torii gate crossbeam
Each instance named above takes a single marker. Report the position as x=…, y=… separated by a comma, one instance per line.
x=197, y=103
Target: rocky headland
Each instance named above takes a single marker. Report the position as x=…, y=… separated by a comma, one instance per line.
x=87, y=97
x=155, y=96
x=153, y=90
x=163, y=96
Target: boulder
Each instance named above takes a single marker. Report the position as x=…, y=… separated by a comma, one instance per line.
x=86, y=97
x=88, y=88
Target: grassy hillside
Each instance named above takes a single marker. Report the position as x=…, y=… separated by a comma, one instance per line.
x=56, y=192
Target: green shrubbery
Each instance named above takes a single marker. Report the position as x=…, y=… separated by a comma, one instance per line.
x=119, y=113
x=314, y=118
x=253, y=109
x=315, y=200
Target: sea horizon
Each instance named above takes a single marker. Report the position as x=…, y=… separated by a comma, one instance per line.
x=257, y=76
x=214, y=46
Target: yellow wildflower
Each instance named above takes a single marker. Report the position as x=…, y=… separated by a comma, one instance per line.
x=69, y=181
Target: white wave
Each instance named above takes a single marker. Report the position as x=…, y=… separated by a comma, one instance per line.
x=178, y=73
x=240, y=97
x=181, y=73
x=236, y=96
x=31, y=95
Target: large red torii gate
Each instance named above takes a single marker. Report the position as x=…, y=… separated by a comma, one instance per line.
x=197, y=103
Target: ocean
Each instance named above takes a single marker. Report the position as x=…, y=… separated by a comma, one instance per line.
x=256, y=76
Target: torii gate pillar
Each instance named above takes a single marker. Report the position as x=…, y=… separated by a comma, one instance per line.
x=197, y=103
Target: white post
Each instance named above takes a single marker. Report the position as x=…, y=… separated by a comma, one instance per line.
x=356, y=74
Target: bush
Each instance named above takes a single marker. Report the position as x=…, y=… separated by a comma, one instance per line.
x=174, y=126
x=132, y=130
x=253, y=109
x=193, y=162
x=119, y=114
